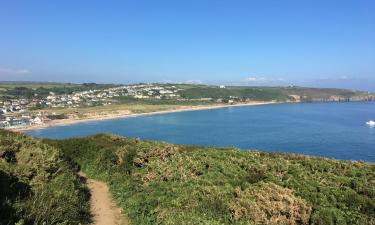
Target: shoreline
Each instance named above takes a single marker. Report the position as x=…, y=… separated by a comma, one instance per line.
x=65, y=122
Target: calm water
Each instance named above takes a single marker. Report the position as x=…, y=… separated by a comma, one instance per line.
x=325, y=129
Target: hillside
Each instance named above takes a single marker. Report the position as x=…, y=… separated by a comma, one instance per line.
x=243, y=93
x=38, y=186
x=160, y=183
x=188, y=92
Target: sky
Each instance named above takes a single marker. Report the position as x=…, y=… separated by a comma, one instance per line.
x=239, y=42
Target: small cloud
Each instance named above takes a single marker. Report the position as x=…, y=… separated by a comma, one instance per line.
x=13, y=71
x=263, y=79
x=251, y=79
x=193, y=82
x=183, y=82
x=344, y=78
x=341, y=78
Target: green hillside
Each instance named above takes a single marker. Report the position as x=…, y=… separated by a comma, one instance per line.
x=244, y=93
x=160, y=183
x=37, y=185
x=189, y=92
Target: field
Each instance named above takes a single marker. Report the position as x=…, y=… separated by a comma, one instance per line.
x=41, y=90
x=113, y=110
x=267, y=93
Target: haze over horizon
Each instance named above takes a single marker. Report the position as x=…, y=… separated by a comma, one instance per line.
x=318, y=44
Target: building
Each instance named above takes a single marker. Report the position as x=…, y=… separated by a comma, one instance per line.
x=37, y=120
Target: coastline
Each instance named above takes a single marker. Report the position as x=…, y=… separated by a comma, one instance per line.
x=109, y=116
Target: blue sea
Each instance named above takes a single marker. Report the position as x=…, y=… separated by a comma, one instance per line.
x=336, y=130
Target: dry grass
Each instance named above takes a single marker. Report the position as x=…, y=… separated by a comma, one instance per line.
x=122, y=109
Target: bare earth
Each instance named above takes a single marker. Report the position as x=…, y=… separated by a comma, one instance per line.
x=127, y=113
x=104, y=211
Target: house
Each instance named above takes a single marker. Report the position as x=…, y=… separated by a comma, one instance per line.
x=4, y=124
x=37, y=120
x=76, y=98
x=17, y=122
x=7, y=103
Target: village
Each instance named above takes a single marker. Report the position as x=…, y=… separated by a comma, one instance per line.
x=18, y=111
x=15, y=113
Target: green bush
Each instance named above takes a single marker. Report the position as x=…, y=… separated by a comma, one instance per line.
x=160, y=183
x=37, y=185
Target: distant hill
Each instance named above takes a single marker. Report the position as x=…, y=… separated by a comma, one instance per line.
x=274, y=93
x=194, y=92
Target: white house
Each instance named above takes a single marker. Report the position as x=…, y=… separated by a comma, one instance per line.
x=37, y=120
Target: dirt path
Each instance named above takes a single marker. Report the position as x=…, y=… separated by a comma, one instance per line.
x=104, y=211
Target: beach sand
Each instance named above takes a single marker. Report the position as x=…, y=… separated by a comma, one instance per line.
x=125, y=114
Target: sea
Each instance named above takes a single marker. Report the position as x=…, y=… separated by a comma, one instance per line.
x=334, y=130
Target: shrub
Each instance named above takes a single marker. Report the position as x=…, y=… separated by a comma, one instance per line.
x=160, y=183
x=37, y=185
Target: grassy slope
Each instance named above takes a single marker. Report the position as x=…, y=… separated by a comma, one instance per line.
x=37, y=185
x=266, y=93
x=192, y=91
x=159, y=183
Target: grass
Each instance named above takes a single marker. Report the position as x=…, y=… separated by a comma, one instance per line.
x=266, y=93
x=38, y=186
x=160, y=183
x=86, y=112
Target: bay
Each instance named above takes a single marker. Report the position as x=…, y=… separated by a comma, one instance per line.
x=336, y=130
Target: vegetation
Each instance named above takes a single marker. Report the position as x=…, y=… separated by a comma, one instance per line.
x=266, y=93
x=37, y=185
x=150, y=101
x=160, y=183
x=260, y=94
x=187, y=91
x=41, y=90
x=120, y=109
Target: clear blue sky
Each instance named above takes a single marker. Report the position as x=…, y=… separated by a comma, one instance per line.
x=312, y=43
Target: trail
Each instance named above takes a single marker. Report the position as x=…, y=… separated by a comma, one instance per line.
x=103, y=209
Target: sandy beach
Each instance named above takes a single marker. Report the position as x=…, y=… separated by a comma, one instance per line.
x=117, y=115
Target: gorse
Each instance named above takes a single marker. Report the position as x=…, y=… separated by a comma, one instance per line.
x=37, y=185
x=159, y=183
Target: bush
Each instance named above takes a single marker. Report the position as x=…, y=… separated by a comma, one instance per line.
x=37, y=185
x=160, y=183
